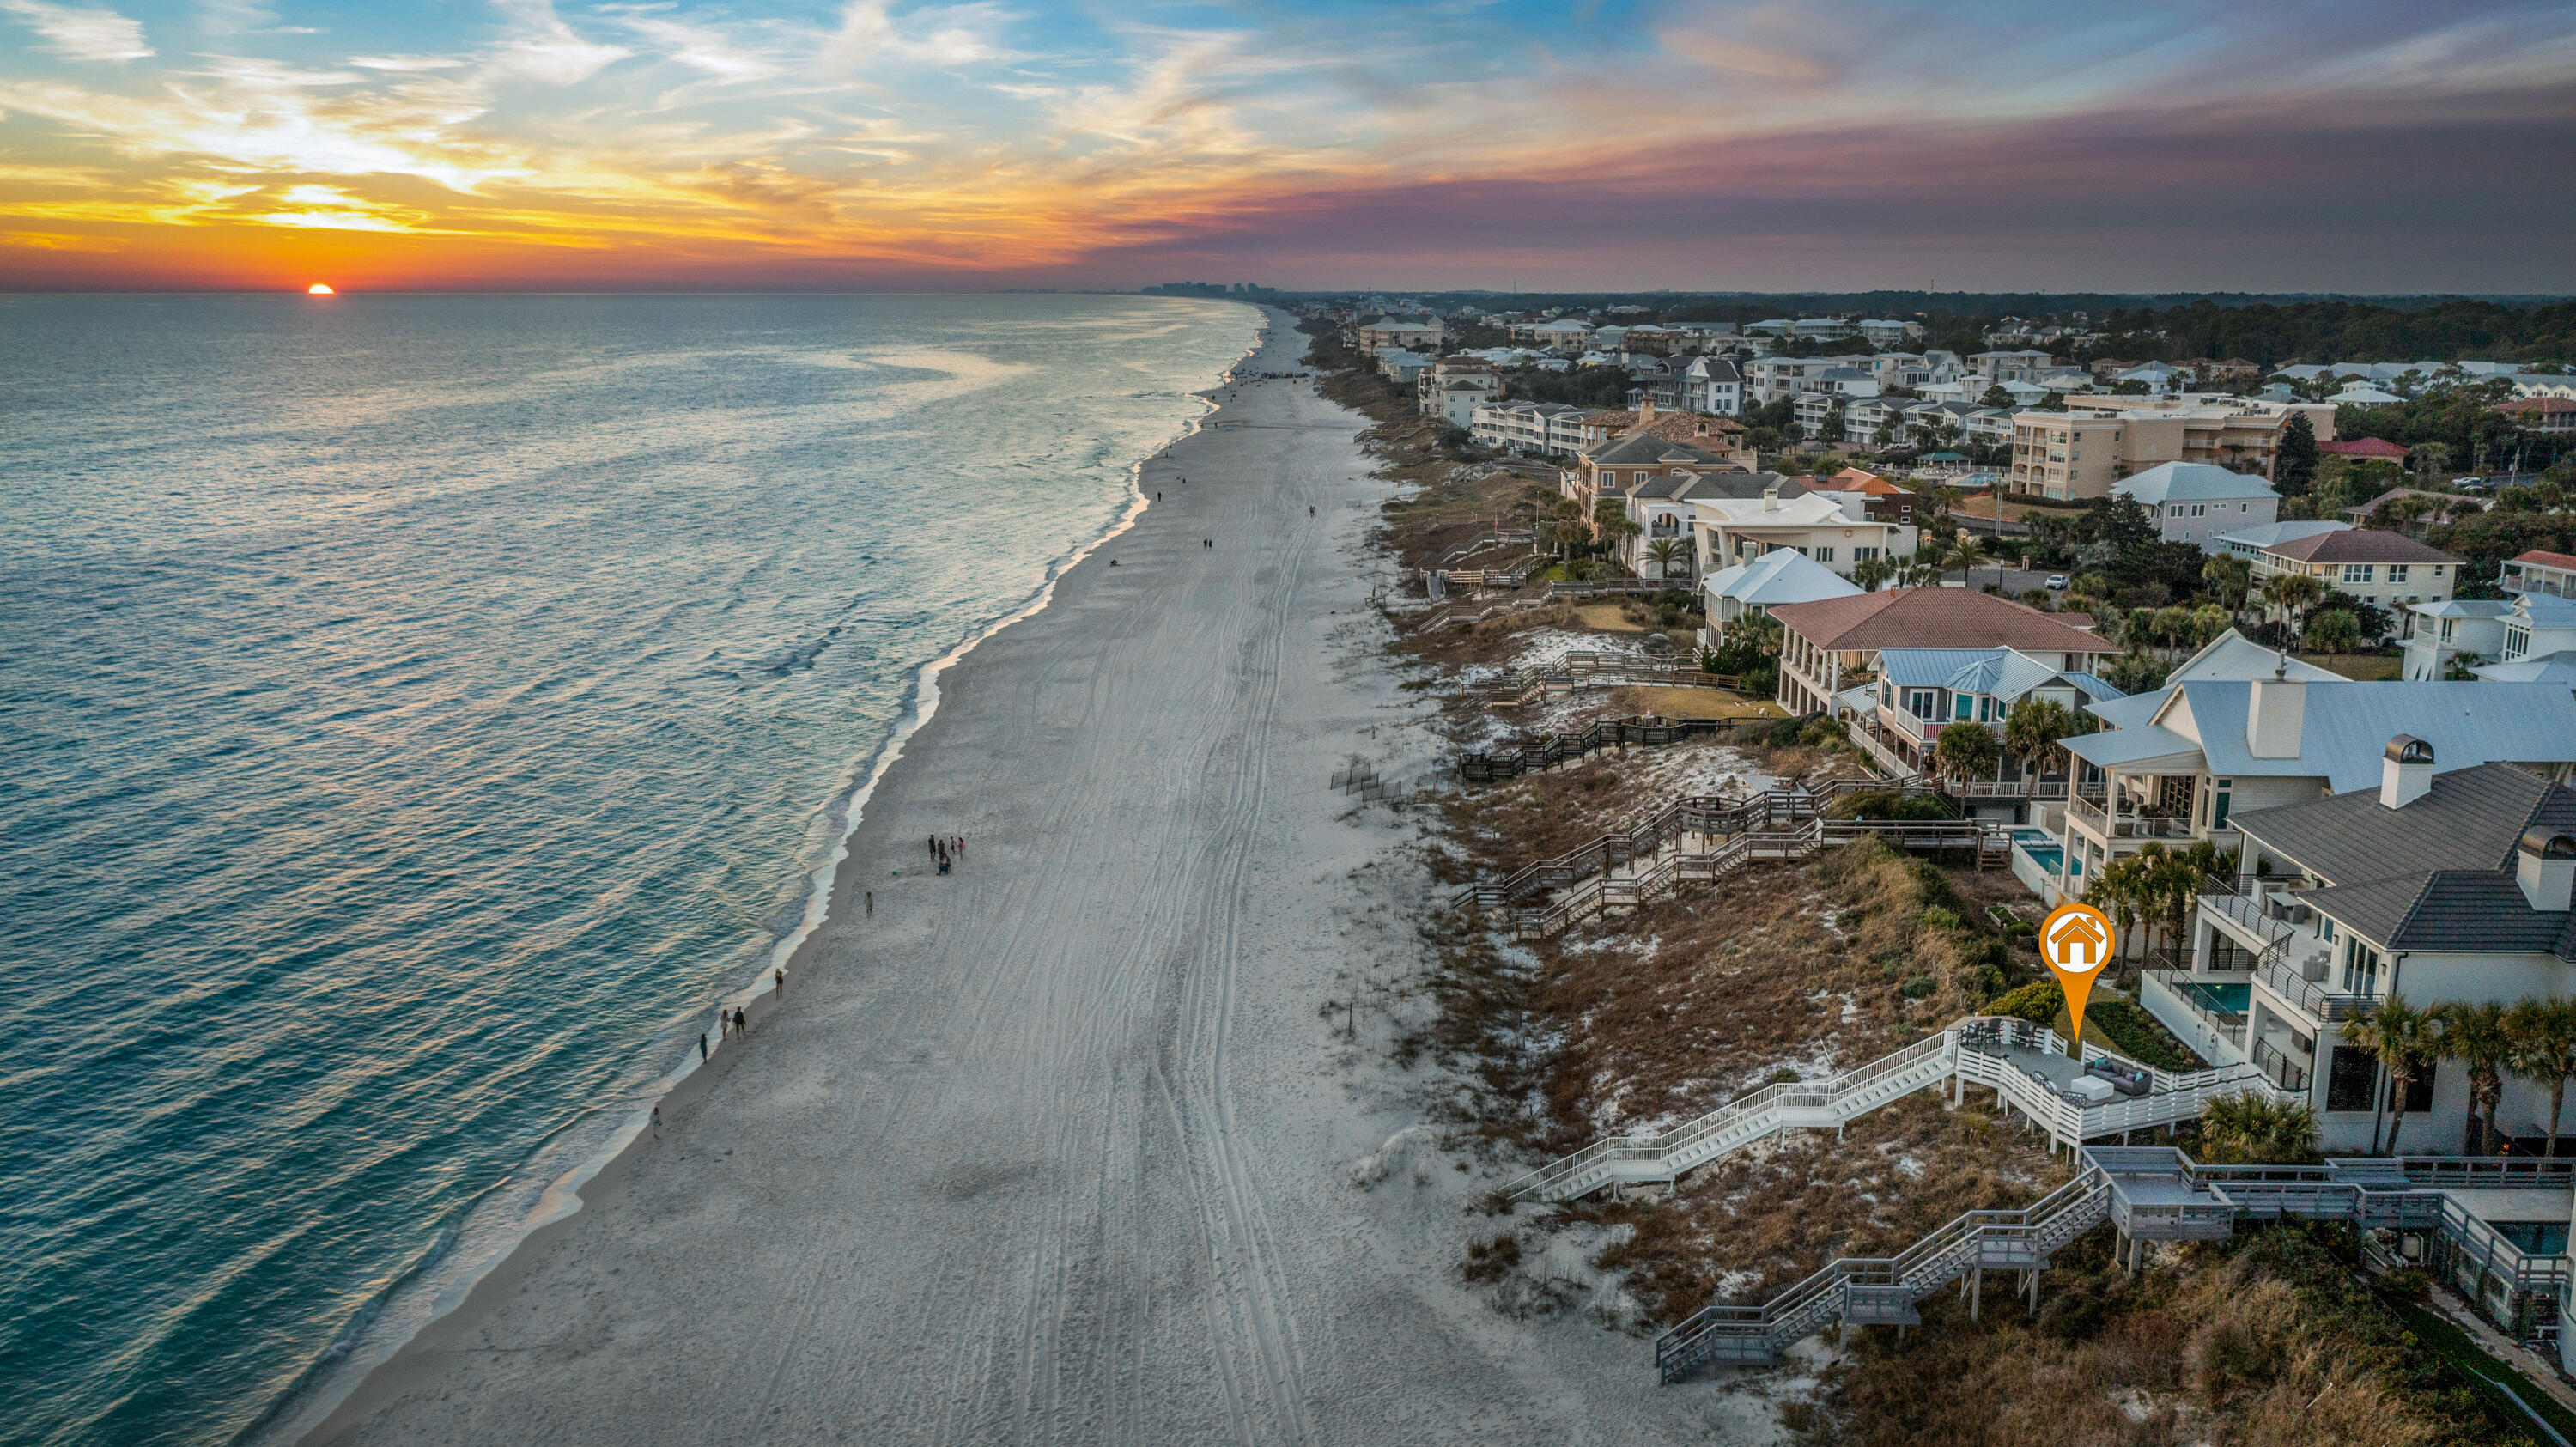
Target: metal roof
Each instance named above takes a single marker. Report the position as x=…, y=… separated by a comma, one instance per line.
x=2345, y=726
x=2118, y=747
x=1780, y=576
x=2188, y=482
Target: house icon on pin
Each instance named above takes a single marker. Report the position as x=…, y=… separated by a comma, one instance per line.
x=2074, y=932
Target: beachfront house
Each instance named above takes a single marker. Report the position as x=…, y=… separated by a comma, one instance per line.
x=1829, y=649
x=1924, y=692
x=2439, y=884
x=2180, y=764
x=1735, y=517
x=1752, y=589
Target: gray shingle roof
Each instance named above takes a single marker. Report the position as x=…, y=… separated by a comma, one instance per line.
x=2466, y=910
x=2470, y=819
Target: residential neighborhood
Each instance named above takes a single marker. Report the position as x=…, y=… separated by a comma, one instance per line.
x=2271, y=662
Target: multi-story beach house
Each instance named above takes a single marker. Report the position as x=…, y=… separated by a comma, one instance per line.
x=2462, y=631
x=2385, y=569
x=2441, y=884
x=1924, y=692
x=1453, y=387
x=1831, y=647
x=1753, y=589
x=1405, y=333
x=2180, y=764
x=2193, y=502
x=1621, y=451
x=1735, y=517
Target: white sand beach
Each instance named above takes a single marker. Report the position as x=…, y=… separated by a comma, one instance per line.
x=1057, y=1148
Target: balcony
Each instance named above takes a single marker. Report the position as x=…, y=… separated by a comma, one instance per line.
x=2095, y=818
x=2291, y=983
x=2287, y=1071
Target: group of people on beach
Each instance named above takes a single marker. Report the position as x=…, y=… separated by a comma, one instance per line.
x=947, y=849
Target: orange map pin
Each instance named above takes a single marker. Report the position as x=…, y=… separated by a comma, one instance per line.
x=2075, y=940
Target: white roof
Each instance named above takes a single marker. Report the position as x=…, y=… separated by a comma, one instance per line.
x=2365, y=396
x=2559, y=667
x=1783, y=575
x=2190, y=482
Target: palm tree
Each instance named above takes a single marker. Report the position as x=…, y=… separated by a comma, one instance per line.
x=2241, y=1130
x=2474, y=1035
x=2544, y=1050
x=1870, y=572
x=1666, y=552
x=1965, y=554
x=2227, y=579
x=2032, y=729
x=2115, y=892
x=1966, y=751
x=2291, y=592
x=2404, y=1039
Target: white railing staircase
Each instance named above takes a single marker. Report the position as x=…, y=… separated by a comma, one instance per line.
x=1980, y=1050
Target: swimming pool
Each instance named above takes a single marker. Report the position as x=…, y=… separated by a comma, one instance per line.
x=2217, y=995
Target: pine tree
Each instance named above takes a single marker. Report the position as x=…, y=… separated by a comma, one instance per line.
x=2297, y=462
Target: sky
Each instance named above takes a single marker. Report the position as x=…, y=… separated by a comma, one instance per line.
x=2155, y=145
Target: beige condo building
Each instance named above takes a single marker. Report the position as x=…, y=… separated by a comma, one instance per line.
x=2080, y=452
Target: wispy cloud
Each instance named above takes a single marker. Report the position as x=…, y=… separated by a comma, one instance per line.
x=1681, y=142
x=82, y=32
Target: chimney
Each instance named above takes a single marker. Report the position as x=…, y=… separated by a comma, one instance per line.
x=1771, y=498
x=1645, y=410
x=2545, y=866
x=2277, y=714
x=2405, y=772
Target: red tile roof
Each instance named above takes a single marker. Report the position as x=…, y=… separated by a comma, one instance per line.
x=1934, y=618
x=2536, y=406
x=2363, y=447
x=2548, y=560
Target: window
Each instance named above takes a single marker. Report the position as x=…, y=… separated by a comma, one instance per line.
x=2517, y=642
x=2174, y=511
x=1824, y=555
x=2356, y=572
x=2447, y=625
x=2197, y=509
x=2360, y=967
x=1920, y=703
x=2397, y=572
x=1985, y=709
x=1863, y=555
x=2419, y=1088
x=2351, y=1073
x=1966, y=707
x=2218, y=810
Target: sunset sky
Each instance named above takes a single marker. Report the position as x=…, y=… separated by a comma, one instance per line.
x=2363, y=146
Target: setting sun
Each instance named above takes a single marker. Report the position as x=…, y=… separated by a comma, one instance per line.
x=318, y=289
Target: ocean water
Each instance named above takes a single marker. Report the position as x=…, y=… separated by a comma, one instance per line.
x=415, y=713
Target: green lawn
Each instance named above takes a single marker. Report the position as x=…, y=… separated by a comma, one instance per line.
x=2462, y=1350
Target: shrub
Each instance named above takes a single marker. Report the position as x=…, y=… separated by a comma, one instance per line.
x=1919, y=987
x=1885, y=804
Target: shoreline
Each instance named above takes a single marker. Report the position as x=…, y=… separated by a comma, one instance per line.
x=334, y=1378
x=1061, y=1147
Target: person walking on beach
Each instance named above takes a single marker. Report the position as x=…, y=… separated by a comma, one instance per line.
x=702, y=1047
x=741, y=1026
x=872, y=903
x=781, y=975
x=724, y=1024
x=657, y=1122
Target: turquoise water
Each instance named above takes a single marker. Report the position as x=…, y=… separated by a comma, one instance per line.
x=418, y=711
x=2233, y=998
